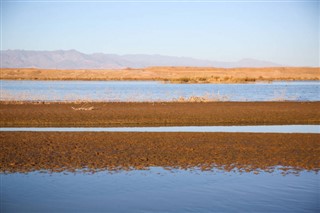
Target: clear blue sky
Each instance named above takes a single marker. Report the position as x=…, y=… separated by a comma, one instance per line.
x=284, y=32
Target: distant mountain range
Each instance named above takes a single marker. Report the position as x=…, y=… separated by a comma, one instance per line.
x=72, y=59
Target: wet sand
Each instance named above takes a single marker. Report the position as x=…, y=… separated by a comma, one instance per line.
x=56, y=151
x=157, y=114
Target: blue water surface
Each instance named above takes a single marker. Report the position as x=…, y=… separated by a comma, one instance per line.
x=257, y=129
x=157, y=91
x=159, y=190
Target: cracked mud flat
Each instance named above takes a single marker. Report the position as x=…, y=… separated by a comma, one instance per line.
x=71, y=151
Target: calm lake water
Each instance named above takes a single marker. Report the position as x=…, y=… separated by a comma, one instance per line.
x=159, y=190
x=262, y=129
x=155, y=91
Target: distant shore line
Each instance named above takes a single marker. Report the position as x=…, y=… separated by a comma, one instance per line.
x=169, y=74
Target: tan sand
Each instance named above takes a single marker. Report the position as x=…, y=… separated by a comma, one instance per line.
x=170, y=74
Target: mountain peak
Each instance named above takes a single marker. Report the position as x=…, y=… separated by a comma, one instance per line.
x=73, y=59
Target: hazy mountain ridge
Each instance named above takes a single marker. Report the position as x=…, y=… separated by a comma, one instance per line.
x=72, y=59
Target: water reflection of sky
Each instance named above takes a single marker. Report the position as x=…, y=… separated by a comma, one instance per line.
x=155, y=91
x=262, y=129
x=159, y=190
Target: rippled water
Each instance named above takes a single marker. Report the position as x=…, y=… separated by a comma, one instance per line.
x=154, y=91
x=159, y=190
x=263, y=129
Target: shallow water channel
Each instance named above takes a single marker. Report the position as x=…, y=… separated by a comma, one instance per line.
x=257, y=129
x=159, y=190
x=157, y=91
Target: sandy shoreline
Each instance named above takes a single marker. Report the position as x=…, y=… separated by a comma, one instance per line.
x=157, y=114
x=168, y=74
x=30, y=151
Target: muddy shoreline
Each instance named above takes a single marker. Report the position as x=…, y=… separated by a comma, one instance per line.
x=106, y=114
x=56, y=151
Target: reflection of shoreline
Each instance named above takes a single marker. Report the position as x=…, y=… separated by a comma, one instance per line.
x=24, y=114
x=155, y=170
x=243, y=152
x=150, y=91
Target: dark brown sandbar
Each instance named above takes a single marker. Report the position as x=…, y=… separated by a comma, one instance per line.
x=158, y=114
x=60, y=151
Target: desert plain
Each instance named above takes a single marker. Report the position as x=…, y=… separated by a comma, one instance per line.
x=168, y=74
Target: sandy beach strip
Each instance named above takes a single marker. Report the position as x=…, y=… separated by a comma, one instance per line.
x=69, y=151
x=168, y=74
x=157, y=114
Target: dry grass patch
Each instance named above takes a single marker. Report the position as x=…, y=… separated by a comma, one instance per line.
x=169, y=74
